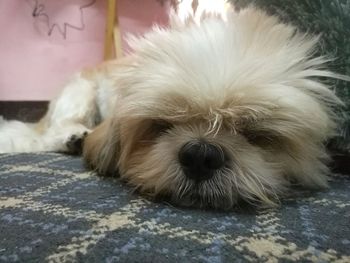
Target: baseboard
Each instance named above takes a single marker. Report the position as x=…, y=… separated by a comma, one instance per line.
x=28, y=111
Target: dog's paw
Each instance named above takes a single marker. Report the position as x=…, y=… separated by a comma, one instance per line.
x=75, y=143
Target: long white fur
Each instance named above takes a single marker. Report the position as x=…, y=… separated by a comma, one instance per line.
x=80, y=106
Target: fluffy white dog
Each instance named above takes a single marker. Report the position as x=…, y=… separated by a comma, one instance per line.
x=204, y=113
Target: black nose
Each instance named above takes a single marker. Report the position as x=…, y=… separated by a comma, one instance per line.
x=200, y=160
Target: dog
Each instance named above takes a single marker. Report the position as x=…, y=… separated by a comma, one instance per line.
x=204, y=113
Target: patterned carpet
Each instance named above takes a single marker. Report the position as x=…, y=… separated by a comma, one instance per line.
x=54, y=210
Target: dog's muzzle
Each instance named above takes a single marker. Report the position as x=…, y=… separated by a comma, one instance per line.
x=200, y=160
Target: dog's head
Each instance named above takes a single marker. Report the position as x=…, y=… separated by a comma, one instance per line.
x=211, y=113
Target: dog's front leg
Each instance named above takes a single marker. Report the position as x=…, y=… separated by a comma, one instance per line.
x=71, y=116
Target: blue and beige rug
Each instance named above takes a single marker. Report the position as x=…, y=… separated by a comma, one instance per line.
x=53, y=210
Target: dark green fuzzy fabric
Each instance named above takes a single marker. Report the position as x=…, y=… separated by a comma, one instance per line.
x=331, y=19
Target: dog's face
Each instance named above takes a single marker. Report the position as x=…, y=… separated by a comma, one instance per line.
x=211, y=114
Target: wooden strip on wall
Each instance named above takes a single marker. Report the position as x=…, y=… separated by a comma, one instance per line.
x=117, y=36
x=109, y=38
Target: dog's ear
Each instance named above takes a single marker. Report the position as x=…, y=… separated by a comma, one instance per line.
x=101, y=147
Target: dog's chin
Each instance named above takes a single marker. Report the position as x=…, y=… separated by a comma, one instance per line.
x=173, y=186
x=199, y=198
x=223, y=191
x=212, y=193
x=216, y=194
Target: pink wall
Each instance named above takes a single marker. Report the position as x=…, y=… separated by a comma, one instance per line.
x=35, y=65
x=138, y=16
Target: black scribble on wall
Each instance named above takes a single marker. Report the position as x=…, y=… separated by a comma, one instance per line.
x=39, y=12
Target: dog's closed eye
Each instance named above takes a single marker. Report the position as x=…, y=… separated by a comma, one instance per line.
x=158, y=127
x=152, y=129
x=260, y=138
x=148, y=130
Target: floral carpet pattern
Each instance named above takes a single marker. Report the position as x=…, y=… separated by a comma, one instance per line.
x=54, y=210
